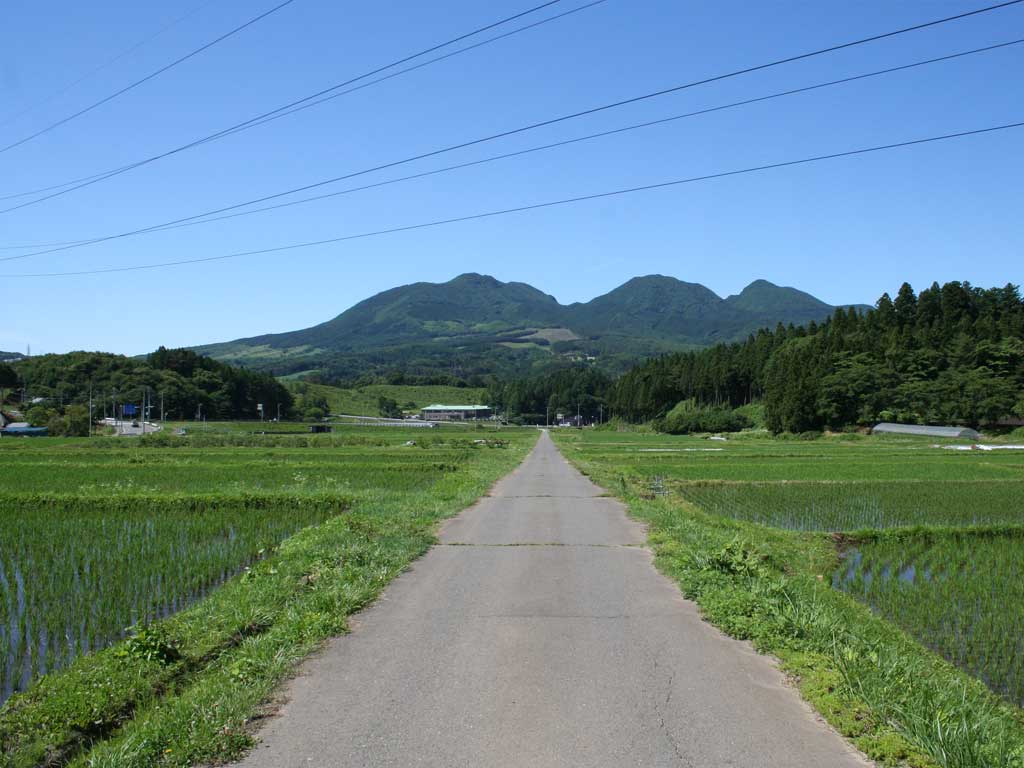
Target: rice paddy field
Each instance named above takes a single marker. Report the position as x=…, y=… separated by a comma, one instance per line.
x=962, y=594
x=105, y=542
x=930, y=540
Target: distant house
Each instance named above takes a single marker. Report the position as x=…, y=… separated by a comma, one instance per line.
x=917, y=429
x=456, y=412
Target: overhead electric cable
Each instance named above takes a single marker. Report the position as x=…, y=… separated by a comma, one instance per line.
x=107, y=63
x=594, y=110
x=531, y=207
x=145, y=79
x=532, y=126
x=530, y=150
x=305, y=102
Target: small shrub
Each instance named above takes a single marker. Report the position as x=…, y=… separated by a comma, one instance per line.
x=150, y=643
x=688, y=417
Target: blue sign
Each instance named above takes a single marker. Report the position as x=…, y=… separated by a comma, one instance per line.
x=129, y=410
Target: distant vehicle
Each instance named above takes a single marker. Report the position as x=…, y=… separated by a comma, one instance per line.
x=135, y=423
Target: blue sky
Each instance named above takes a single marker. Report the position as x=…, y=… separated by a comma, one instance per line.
x=844, y=230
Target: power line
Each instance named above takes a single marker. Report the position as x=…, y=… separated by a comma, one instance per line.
x=633, y=100
x=298, y=105
x=264, y=121
x=530, y=150
x=534, y=206
x=524, y=129
x=107, y=63
x=145, y=79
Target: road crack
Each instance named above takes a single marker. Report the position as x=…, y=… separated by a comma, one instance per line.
x=681, y=758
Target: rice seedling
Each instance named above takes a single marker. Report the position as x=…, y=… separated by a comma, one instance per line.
x=849, y=506
x=98, y=536
x=960, y=594
x=75, y=574
x=934, y=546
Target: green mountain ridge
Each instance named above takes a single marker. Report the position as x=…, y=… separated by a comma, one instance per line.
x=479, y=324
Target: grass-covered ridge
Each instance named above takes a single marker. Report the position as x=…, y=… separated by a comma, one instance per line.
x=894, y=698
x=181, y=691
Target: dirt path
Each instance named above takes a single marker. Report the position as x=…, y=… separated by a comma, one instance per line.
x=539, y=634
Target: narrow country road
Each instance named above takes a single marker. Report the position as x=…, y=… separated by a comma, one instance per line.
x=537, y=634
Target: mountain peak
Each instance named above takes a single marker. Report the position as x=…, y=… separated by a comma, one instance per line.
x=477, y=317
x=766, y=298
x=475, y=278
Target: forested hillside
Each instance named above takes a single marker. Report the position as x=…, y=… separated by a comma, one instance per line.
x=179, y=378
x=954, y=354
x=477, y=326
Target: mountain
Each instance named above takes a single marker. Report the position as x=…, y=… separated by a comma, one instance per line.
x=7, y=357
x=478, y=324
x=470, y=304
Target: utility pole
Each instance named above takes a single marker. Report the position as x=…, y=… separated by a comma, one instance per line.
x=90, y=409
x=162, y=408
x=279, y=413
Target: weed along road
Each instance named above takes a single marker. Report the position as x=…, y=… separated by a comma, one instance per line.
x=538, y=633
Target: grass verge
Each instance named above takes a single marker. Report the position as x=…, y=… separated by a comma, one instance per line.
x=899, y=703
x=182, y=691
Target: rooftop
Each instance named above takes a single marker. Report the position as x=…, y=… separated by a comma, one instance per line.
x=920, y=429
x=457, y=408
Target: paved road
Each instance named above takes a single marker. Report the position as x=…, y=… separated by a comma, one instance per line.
x=539, y=634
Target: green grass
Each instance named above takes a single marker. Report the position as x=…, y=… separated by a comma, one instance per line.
x=865, y=662
x=363, y=401
x=181, y=690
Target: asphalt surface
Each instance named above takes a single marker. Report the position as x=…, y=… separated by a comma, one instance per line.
x=539, y=634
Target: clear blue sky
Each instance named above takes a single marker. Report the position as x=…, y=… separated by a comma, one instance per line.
x=844, y=230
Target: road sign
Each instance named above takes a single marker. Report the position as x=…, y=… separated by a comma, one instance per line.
x=129, y=410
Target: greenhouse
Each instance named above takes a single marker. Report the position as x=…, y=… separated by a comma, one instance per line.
x=918, y=429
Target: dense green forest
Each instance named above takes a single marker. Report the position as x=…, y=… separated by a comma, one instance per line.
x=954, y=354
x=179, y=380
x=539, y=399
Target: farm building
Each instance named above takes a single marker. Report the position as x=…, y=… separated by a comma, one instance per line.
x=456, y=412
x=917, y=429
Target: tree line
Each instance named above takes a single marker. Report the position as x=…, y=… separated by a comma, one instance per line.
x=179, y=382
x=952, y=355
x=540, y=398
